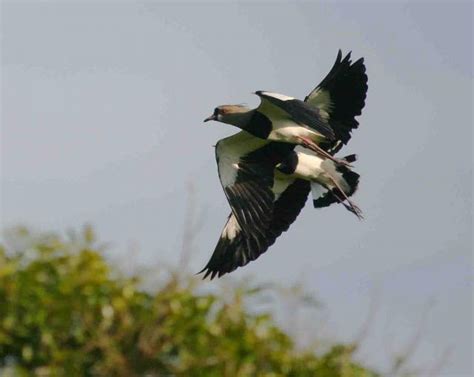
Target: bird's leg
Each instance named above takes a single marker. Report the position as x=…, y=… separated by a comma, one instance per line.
x=348, y=207
x=352, y=207
x=305, y=142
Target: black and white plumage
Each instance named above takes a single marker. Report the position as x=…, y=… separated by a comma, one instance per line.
x=232, y=249
x=246, y=170
x=322, y=122
x=263, y=206
x=330, y=182
x=266, y=185
x=265, y=181
x=341, y=97
x=292, y=119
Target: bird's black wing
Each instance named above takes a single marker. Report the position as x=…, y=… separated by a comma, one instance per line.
x=340, y=97
x=246, y=171
x=233, y=250
x=246, y=167
x=329, y=109
x=288, y=206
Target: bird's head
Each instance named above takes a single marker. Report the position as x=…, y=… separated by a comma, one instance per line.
x=230, y=114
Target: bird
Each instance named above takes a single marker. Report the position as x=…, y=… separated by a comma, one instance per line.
x=266, y=181
x=267, y=184
x=330, y=182
x=322, y=122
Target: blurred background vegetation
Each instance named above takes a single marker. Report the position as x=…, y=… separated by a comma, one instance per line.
x=65, y=310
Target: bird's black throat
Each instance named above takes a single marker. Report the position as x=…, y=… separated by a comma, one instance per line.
x=258, y=125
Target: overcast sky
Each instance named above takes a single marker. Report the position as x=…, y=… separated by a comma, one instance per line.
x=102, y=109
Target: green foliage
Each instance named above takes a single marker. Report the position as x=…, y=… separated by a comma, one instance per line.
x=65, y=311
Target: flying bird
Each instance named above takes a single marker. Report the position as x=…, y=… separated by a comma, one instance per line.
x=330, y=182
x=321, y=122
x=267, y=184
x=266, y=181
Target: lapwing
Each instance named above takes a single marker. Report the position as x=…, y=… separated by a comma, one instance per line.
x=330, y=182
x=322, y=122
x=267, y=184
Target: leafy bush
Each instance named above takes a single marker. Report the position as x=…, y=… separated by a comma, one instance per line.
x=65, y=311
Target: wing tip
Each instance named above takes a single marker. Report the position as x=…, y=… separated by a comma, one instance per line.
x=208, y=271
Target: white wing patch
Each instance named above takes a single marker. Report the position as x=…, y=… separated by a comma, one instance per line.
x=281, y=97
x=281, y=183
x=322, y=100
x=231, y=228
x=229, y=152
x=228, y=166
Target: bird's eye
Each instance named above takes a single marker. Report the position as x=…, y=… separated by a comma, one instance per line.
x=216, y=111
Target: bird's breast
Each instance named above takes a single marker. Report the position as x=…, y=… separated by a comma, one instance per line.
x=309, y=166
x=291, y=132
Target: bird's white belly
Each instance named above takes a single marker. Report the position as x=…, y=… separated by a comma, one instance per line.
x=290, y=132
x=310, y=167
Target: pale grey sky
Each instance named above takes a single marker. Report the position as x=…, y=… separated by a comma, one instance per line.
x=102, y=109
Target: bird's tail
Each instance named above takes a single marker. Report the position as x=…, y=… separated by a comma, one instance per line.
x=342, y=178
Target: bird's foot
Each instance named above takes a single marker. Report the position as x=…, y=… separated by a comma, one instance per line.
x=351, y=207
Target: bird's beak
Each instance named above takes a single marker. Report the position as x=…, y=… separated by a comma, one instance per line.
x=212, y=117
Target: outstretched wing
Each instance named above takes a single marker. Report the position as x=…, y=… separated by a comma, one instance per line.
x=246, y=170
x=329, y=109
x=340, y=97
x=233, y=250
